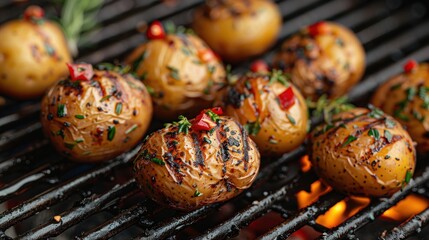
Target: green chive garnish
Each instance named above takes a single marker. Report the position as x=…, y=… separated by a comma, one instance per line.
x=111, y=130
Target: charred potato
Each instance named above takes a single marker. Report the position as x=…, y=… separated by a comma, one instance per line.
x=33, y=55
x=406, y=97
x=194, y=163
x=324, y=58
x=273, y=111
x=364, y=152
x=95, y=115
x=238, y=29
x=181, y=72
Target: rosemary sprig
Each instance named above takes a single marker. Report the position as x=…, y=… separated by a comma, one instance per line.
x=326, y=108
x=76, y=18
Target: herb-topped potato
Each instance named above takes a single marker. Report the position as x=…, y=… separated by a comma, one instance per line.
x=238, y=29
x=406, y=97
x=189, y=164
x=324, y=58
x=363, y=152
x=272, y=109
x=95, y=115
x=182, y=74
x=33, y=55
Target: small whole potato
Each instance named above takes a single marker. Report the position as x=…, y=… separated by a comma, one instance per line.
x=33, y=55
x=95, y=115
x=324, y=58
x=273, y=111
x=189, y=164
x=363, y=152
x=238, y=29
x=181, y=72
x=406, y=97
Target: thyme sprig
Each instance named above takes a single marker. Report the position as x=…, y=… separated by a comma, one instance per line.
x=327, y=108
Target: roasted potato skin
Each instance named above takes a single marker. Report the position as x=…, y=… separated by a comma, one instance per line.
x=367, y=166
x=183, y=82
x=328, y=63
x=414, y=116
x=199, y=168
x=101, y=118
x=254, y=99
x=237, y=30
x=32, y=58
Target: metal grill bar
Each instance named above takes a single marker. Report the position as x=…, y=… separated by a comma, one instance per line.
x=408, y=228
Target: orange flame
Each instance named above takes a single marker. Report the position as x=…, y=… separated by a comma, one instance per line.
x=408, y=207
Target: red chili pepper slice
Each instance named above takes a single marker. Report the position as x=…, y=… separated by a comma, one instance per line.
x=82, y=71
x=34, y=13
x=287, y=98
x=203, y=123
x=259, y=66
x=217, y=110
x=410, y=65
x=155, y=31
x=317, y=28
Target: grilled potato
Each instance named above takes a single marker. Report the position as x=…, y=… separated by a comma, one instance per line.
x=406, y=98
x=181, y=72
x=273, y=111
x=324, y=58
x=33, y=55
x=238, y=29
x=95, y=115
x=194, y=163
x=364, y=152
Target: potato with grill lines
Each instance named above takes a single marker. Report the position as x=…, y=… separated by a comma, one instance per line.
x=189, y=164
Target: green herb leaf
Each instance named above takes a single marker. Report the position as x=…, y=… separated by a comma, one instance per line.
x=374, y=133
x=279, y=76
x=211, y=69
x=61, y=110
x=60, y=133
x=375, y=112
x=398, y=114
x=396, y=86
x=197, y=193
x=111, y=130
x=349, y=139
x=291, y=119
x=157, y=161
x=390, y=123
x=253, y=128
x=411, y=92
x=388, y=136
x=213, y=116
x=69, y=145
x=207, y=140
x=183, y=125
x=118, y=108
x=418, y=116
x=79, y=140
x=131, y=129
x=174, y=72
x=105, y=98
x=79, y=116
x=408, y=176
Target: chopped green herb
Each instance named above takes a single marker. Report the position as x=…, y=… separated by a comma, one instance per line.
x=387, y=157
x=207, y=140
x=213, y=116
x=186, y=51
x=408, y=176
x=291, y=119
x=49, y=49
x=60, y=133
x=396, y=86
x=79, y=116
x=105, y=98
x=183, y=125
x=327, y=127
x=342, y=125
x=174, y=72
x=140, y=59
x=61, y=110
x=390, y=123
x=418, y=116
x=339, y=42
x=411, y=92
x=211, y=68
x=374, y=133
x=131, y=129
x=143, y=76
x=388, y=136
x=69, y=145
x=400, y=115
x=157, y=161
x=349, y=139
x=208, y=88
x=197, y=193
x=111, y=130
x=79, y=140
x=375, y=112
x=253, y=128
x=150, y=90
x=118, y=108
x=279, y=76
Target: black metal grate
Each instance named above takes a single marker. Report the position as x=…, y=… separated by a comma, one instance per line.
x=102, y=201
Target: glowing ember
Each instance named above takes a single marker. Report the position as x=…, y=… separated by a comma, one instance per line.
x=408, y=207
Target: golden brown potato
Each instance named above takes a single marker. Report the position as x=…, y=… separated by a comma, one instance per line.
x=364, y=152
x=190, y=164
x=273, y=111
x=33, y=55
x=238, y=29
x=181, y=72
x=324, y=58
x=95, y=116
x=406, y=97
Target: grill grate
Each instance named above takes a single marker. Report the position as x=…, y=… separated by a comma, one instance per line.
x=102, y=201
